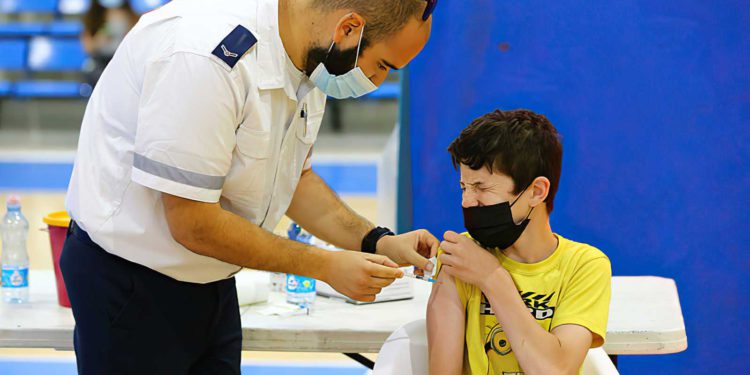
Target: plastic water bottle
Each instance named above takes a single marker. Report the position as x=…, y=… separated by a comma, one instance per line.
x=278, y=282
x=15, y=259
x=300, y=290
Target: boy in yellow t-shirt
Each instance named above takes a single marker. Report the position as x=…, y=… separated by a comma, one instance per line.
x=514, y=297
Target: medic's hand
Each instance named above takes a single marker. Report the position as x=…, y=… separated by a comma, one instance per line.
x=360, y=276
x=410, y=249
x=462, y=258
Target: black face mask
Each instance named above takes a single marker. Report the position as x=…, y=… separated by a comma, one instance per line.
x=493, y=226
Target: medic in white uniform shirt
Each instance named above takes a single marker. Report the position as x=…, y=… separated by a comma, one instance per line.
x=194, y=144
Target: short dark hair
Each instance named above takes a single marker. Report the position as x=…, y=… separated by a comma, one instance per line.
x=518, y=143
x=384, y=17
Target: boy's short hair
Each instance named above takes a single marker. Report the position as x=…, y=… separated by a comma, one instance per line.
x=519, y=143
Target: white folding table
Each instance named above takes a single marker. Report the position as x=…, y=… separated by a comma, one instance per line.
x=645, y=318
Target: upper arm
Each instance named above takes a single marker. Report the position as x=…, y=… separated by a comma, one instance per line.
x=575, y=342
x=311, y=188
x=185, y=218
x=187, y=117
x=445, y=327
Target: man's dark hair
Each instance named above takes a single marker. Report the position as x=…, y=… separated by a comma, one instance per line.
x=384, y=17
x=518, y=143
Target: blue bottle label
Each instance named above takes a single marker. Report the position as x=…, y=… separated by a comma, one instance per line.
x=15, y=277
x=300, y=284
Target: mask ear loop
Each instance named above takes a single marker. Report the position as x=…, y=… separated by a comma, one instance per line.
x=359, y=44
x=516, y=200
x=527, y=216
x=519, y=195
x=333, y=41
x=330, y=49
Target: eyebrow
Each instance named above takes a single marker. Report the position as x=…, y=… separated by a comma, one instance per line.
x=386, y=63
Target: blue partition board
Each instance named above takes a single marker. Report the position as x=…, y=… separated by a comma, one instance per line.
x=653, y=101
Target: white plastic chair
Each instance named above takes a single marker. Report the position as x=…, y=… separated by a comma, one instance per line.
x=597, y=362
x=405, y=353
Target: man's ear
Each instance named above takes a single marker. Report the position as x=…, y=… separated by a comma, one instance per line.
x=347, y=30
x=539, y=191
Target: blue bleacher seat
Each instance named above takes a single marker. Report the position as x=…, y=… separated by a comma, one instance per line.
x=14, y=54
x=30, y=29
x=21, y=29
x=28, y=6
x=388, y=90
x=143, y=6
x=45, y=54
x=50, y=89
x=74, y=7
x=64, y=29
x=56, y=54
x=5, y=88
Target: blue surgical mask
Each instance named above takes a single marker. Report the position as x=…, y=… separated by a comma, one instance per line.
x=353, y=84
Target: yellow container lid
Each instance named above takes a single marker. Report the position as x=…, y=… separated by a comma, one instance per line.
x=57, y=219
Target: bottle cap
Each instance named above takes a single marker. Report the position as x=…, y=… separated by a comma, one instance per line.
x=13, y=201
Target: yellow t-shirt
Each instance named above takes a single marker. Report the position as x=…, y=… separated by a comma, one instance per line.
x=572, y=286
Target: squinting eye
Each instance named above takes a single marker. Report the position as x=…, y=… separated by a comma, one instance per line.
x=381, y=67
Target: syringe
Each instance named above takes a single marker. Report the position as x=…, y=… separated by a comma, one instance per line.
x=418, y=277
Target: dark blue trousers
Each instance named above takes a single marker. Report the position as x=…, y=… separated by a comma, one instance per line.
x=133, y=320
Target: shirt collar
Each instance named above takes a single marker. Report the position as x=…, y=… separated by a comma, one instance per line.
x=273, y=71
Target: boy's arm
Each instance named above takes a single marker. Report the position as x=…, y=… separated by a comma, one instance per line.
x=561, y=351
x=445, y=327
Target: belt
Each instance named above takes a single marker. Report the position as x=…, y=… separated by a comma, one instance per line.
x=75, y=230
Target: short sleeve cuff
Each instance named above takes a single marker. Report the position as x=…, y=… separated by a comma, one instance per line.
x=596, y=329
x=169, y=186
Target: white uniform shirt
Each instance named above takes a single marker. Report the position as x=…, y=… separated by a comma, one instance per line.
x=170, y=114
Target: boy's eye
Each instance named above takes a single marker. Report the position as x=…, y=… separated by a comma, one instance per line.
x=381, y=67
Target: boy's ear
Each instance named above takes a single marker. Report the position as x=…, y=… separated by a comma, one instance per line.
x=539, y=191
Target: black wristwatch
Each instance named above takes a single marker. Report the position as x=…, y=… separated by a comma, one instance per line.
x=371, y=238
